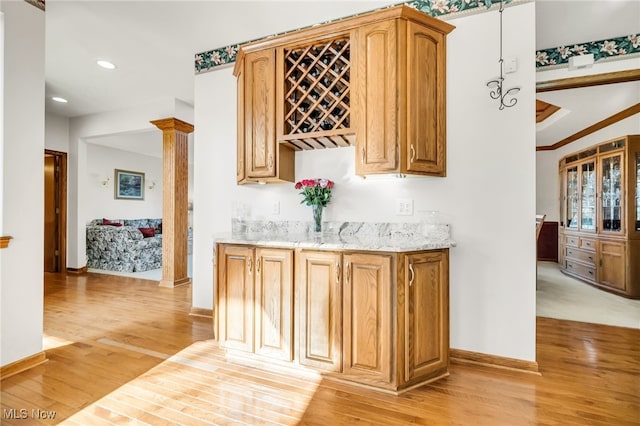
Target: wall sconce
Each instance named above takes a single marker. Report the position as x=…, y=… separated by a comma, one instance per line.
x=152, y=185
x=105, y=182
x=506, y=97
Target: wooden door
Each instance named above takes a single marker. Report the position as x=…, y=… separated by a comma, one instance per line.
x=50, y=215
x=375, y=87
x=367, y=319
x=612, y=267
x=426, y=314
x=426, y=107
x=319, y=310
x=55, y=211
x=235, y=297
x=259, y=113
x=274, y=303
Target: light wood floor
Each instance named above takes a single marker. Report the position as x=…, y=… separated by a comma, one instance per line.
x=125, y=351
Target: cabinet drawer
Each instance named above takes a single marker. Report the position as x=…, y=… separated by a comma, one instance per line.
x=588, y=243
x=581, y=255
x=572, y=241
x=582, y=270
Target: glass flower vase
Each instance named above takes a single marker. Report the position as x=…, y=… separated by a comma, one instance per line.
x=317, y=218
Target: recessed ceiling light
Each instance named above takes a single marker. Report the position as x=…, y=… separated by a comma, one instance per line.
x=59, y=99
x=106, y=64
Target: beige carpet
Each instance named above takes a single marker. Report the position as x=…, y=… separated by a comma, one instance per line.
x=563, y=297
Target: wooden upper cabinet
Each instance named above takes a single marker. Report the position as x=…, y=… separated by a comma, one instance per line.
x=240, y=170
x=259, y=114
x=376, y=81
x=400, y=75
x=375, y=88
x=425, y=146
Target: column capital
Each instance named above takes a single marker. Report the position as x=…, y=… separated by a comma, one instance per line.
x=173, y=123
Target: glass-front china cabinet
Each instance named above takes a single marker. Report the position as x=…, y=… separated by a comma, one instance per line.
x=600, y=215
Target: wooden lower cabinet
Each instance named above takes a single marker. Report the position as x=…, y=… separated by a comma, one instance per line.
x=255, y=300
x=367, y=321
x=319, y=309
x=234, y=301
x=274, y=303
x=376, y=319
x=426, y=305
x=612, y=260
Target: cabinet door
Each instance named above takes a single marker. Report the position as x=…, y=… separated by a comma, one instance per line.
x=426, y=314
x=612, y=199
x=367, y=317
x=588, y=196
x=273, y=303
x=319, y=310
x=571, y=198
x=426, y=109
x=259, y=113
x=241, y=169
x=235, y=297
x=612, y=265
x=375, y=88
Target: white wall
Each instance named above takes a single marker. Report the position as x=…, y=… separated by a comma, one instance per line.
x=548, y=194
x=56, y=132
x=100, y=201
x=21, y=282
x=488, y=196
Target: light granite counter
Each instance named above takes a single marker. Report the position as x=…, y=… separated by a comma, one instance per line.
x=386, y=237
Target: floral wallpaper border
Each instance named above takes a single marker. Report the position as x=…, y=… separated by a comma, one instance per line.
x=206, y=61
x=40, y=4
x=601, y=49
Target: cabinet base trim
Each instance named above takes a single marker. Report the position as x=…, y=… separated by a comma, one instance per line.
x=459, y=356
x=23, y=364
x=82, y=270
x=201, y=312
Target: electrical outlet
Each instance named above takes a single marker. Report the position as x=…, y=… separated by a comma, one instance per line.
x=510, y=65
x=275, y=207
x=404, y=207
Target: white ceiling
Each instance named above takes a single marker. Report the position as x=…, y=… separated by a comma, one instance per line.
x=153, y=43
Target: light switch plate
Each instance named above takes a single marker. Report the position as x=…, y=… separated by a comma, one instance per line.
x=404, y=207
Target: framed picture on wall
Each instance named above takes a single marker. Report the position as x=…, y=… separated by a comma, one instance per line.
x=129, y=185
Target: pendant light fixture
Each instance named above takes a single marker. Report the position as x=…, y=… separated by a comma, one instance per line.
x=506, y=97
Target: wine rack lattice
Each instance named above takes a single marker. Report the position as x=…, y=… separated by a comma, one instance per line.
x=317, y=94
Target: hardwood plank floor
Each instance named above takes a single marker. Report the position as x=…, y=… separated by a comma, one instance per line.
x=125, y=351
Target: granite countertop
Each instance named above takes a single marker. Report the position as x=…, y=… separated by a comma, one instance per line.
x=343, y=236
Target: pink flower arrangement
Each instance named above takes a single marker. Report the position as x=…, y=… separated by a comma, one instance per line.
x=315, y=192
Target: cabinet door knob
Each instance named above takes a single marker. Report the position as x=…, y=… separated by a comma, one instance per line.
x=270, y=161
x=411, y=275
x=413, y=154
x=348, y=272
x=258, y=261
x=250, y=264
x=337, y=272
